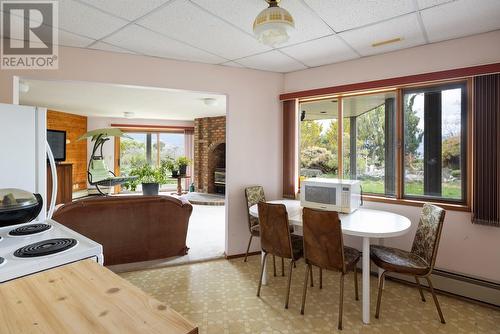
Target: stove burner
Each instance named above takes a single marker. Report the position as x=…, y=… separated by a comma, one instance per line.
x=29, y=229
x=45, y=247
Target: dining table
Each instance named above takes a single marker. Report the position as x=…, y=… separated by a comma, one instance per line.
x=364, y=223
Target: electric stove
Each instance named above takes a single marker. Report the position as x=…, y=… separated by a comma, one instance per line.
x=37, y=246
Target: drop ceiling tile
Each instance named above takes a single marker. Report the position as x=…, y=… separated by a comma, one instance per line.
x=273, y=61
x=86, y=21
x=431, y=3
x=322, y=51
x=126, y=9
x=187, y=22
x=405, y=27
x=70, y=39
x=232, y=64
x=242, y=13
x=461, y=18
x=144, y=41
x=108, y=47
x=343, y=15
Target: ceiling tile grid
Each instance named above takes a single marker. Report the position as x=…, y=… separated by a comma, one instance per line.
x=220, y=31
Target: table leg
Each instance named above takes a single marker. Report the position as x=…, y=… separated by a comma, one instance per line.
x=264, y=275
x=380, y=270
x=366, y=280
x=179, y=186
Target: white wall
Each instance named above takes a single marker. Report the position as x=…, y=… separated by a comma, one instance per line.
x=254, y=119
x=465, y=248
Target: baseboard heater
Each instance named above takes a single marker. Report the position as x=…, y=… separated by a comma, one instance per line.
x=460, y=285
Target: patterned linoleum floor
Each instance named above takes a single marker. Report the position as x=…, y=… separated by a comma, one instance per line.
x=220, y=298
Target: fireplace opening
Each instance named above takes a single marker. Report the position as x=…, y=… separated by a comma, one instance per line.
x=217, y=171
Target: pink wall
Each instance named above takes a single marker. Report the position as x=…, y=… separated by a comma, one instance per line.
x=465, y=248
x=253, y=118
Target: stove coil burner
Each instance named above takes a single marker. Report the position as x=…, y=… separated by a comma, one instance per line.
x=45, y=247
x=29, y=229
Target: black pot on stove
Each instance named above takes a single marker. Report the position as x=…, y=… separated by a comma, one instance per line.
x=18, y=206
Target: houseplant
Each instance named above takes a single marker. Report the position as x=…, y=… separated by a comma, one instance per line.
x=183, y=162
x=170, y=165
x=150, y=177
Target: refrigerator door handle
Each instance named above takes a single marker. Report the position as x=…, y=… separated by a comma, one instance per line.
x=53, y=171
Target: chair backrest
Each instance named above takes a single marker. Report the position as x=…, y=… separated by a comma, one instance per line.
x=253, y=195
x=274, y=230
x=426, y=240
x=98, y=170
x=323, y=242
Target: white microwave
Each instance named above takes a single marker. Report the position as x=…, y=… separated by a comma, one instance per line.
x=331, y=194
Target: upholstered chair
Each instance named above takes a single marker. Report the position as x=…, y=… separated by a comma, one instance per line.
x=324, y=248
x=254, y=195
x=419, y=262
x=276, y=239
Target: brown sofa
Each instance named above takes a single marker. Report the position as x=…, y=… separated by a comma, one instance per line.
x=131, y=228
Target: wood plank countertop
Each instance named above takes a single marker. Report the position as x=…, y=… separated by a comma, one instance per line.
x=84, y=297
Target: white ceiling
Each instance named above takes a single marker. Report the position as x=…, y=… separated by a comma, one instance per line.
x=220, y=31
x=107, y=100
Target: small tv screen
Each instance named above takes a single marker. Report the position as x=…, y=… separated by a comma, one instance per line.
x=57, y=143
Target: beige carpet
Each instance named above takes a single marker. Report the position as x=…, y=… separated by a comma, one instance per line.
x=220, y=297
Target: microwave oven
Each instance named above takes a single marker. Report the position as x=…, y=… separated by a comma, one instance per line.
x=331, y=194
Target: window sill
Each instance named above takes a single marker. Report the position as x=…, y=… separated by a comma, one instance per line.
x=411, y=202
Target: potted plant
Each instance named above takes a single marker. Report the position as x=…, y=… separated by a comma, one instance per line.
x=150, y=177
x=170, y=165
x=183, y=162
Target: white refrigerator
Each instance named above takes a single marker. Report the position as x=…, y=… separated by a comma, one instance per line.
x=23, y=151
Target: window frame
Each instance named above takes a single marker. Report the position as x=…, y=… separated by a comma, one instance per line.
x=399, y=198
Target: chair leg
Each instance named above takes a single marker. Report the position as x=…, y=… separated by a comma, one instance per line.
x=261, y=273
x=356, y=283
x=274, y=266
x=305, y=290
x=420, y=289
x=320, y=278
x=248, y=247
x=379, y=297
x=311, y=274
x=435, y=300
x=289, y=283
x=283, y=267
x=341, y=300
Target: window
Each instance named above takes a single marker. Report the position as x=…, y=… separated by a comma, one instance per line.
x=150, y=147
x=404, y=143
x=435, y=142
x=368, y=137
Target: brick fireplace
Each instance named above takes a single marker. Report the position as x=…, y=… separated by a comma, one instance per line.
x=209, y=153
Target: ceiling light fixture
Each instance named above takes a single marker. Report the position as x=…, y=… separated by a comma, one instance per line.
x=273, y=25
x=388, y=41
x=210, y=101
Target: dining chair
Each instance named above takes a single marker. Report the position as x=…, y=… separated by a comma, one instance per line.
x=276, y=239
x=254, y=195
x=324, y=248
x=419, y=262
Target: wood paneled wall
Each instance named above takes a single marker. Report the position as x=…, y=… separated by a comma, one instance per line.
x=76, y=152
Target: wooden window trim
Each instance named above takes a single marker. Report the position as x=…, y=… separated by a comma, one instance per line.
x=399, y=199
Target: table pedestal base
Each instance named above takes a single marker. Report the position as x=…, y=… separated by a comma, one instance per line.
x=366, y=280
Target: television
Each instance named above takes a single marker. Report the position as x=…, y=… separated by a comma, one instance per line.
x=57, y=143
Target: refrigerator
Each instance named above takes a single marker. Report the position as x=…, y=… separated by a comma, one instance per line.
x=24, y=152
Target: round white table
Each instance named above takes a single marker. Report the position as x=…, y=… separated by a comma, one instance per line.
x=364, y=223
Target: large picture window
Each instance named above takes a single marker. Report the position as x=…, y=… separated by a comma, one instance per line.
x=404, y=143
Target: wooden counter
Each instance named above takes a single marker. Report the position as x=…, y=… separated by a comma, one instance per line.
x=84, y=297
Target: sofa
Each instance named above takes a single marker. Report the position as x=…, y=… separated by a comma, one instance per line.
x=130, y=228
